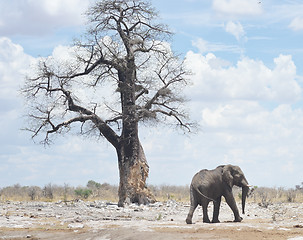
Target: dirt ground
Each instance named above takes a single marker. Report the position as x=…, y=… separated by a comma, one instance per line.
x=106, y=221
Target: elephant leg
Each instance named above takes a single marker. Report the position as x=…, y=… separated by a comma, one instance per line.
x=205, y=213
x=216, y=210
x=191, y=212
x=193, y=206
x=232, y=204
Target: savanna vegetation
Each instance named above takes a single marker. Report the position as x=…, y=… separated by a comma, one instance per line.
x=93, y=190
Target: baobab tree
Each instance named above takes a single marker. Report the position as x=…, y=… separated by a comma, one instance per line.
x=125, y=50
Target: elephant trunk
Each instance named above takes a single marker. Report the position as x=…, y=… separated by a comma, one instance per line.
x=245, y=190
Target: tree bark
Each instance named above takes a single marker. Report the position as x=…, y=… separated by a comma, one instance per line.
x=133, y=174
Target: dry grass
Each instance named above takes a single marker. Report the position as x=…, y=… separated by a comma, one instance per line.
x=170, y=192
x=55, y=192
x=96, y=191
x=266, y=196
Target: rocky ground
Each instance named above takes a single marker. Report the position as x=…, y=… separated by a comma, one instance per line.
x=102, y=220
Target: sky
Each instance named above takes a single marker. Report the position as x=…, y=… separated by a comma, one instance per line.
x=246, y=59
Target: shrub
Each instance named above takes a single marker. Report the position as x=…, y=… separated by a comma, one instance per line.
x=83, y=192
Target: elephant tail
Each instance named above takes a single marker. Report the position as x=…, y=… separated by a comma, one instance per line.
x=203, y=195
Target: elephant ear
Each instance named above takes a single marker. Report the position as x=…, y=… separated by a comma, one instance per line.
x=227, y=176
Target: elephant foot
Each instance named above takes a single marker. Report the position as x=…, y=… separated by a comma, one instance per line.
x=188, y=221
x=215, y=221
x=206, y=220
x=238, y=219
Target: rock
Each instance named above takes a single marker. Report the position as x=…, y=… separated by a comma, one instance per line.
x=78, y=219
x=75, y=225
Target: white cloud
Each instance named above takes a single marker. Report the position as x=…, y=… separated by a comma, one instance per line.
x=250, y=135
x=233, y=132
x=64, y=7
x=237, y=127
x=201, y=44
x=35, y=17
x=255, y=119
x=235, y=28
x=296, y=24
x=237, y=7
x=249, y=79
x=13, y=65
x=205, y=46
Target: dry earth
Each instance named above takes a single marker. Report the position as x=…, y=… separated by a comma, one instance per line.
x=100, y=220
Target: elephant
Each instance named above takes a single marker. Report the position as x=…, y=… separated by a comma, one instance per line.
x=211, y=185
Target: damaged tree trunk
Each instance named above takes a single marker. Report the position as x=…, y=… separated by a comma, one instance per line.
x=133, y=174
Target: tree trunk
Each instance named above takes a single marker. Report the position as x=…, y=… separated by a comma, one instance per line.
x=133, y=167
x=133, y=174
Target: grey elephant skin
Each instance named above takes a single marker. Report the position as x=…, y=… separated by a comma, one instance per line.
x=210, y=185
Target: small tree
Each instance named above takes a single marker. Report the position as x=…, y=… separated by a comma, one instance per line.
x=124, y=51
x=33, y=192
x=48, y=191
x=93, y=185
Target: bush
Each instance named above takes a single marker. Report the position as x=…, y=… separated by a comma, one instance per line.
x=83, y=192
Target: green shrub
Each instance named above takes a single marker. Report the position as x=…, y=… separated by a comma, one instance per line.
x=83, y=192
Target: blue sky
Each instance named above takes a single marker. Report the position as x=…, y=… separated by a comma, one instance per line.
x=246, y=93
